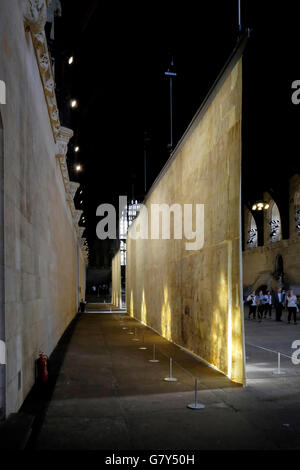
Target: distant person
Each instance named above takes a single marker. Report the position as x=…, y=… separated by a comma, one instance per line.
x=279, y=302
x=260, y=302
x=252, y=305
x=268, y=304
x=291, y=303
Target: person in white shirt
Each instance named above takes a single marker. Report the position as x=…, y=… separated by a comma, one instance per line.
x=252, y=302
x=260, y=301
x=291, y=302
x=268, y=304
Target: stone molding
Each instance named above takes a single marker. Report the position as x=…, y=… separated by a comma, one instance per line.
x=35, y=17
x=76, y=215
x=81, y=230
x=63, y=137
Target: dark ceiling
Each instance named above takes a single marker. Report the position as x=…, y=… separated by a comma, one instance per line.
x=121, y=52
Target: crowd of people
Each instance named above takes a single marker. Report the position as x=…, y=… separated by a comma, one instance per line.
x=262, y=304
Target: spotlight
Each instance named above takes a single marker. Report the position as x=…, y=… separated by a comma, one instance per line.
x=74, y=104
x=78, y=167
x=76, y=149
x=71, y=60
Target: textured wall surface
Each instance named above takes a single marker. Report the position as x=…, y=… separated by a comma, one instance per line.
x=259, y=263
x=41, y=262
x=116, y=280
x=82, y=276
x=193, y=297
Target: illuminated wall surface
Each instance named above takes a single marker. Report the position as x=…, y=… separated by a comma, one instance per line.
x=116, y=281
x=41, y=264
x=193, y=298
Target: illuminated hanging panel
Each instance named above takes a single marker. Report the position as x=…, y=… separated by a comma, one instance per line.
x=193, y=297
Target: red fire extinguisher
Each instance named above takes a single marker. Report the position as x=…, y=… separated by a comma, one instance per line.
x=41, y=367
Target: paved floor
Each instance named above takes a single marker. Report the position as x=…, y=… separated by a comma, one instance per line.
x=274, y=337
x=109, y=396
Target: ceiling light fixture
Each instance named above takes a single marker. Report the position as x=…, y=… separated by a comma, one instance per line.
x=260, y=205
x=74, y=103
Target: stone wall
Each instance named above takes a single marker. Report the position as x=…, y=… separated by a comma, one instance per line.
x=193, y=298
x=259, y=262
x=116, y=297
x=41, y=241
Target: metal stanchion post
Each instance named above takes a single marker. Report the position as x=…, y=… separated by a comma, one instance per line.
x=135, y=338
x=143, y=343
x=278, y=371
x=153, y=358
x=196, y=405
x=170, y=378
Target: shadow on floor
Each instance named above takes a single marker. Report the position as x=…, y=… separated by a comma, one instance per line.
x=38, y=399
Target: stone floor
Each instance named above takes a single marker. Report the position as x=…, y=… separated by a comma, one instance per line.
x=275, y=337
x=105, y=394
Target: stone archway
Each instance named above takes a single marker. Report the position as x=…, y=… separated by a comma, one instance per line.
x=2, y=311
x=275, y=223
x=273, y=229
x=251, y=238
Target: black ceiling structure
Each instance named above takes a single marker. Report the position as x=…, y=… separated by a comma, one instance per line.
x=121, y=53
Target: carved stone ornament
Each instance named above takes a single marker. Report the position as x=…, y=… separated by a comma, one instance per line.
x=35, y=15
x=73, y=188
x=82, y=242
x=81, y=230
x=38, y=40
x=77, y=216
x=62, y=140
x=44, y=62
x=49, y=88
